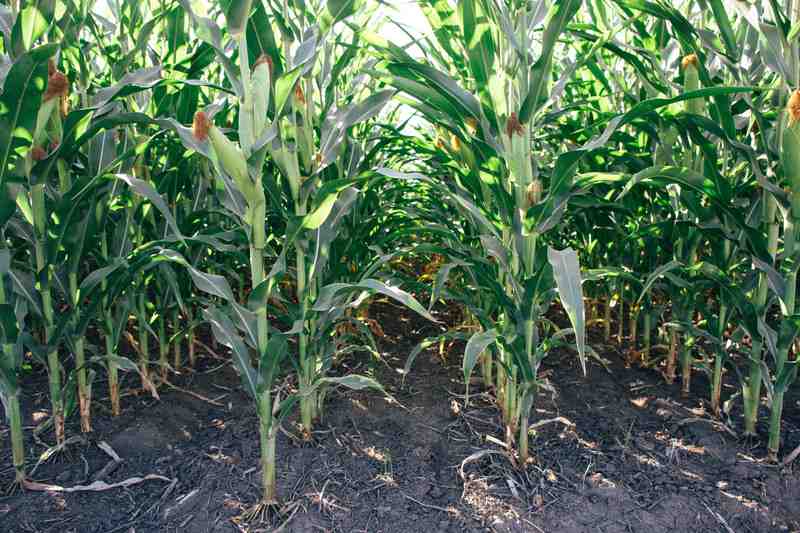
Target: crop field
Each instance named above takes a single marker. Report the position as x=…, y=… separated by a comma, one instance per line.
x=399, y=266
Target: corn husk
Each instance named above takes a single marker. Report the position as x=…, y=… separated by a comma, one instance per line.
x=260, y=91
x=790, y=149
x=518, y=155
x=46, y=111
x=233, y=162
x=691, y=82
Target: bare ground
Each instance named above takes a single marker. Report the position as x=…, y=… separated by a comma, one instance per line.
x=616, y=451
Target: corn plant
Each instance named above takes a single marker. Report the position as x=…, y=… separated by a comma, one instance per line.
x=17, y=94
x=242, y=181
x=500, y=188
x=42, y=124
x=326, y=107
x=231, y=161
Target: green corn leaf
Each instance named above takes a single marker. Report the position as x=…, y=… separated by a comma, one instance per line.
x=24, y=286
x=9, y=329
x=656, y=275
x=98, y=276
x=337, y=10
x=412, y=356
x=186, y=136
x=31, y=24
x=270, y=360
x=131, y=83
x=316, y=218
x=208, y=31
x=19, y=104
x=146, y=190
x=212, y=284
x=794, y=32
x=366, y=109
x=261, y=39
x=477, y=36
x=329, y=292
x=225, y=332
x=724, y=25
x=567, y=162
x=284, y=87
x=563, y=13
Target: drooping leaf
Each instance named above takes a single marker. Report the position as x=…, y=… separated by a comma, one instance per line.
x=567, y=272
x=657, y=274
x=132, y=82
x=212, y=284
x=146, y=190
x=225, y=332
x=355, y=382
x=475, y=347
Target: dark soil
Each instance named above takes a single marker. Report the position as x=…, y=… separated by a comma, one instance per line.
x=627, y=455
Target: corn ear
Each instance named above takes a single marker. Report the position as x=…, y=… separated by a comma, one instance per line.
x=534, y=192
x=469, y=157
x=299, y=97
x=790, y=150
x=291, y=167
x=233, y=162
x=38, y=153
x=38, y=209
x=793, y=108
x=46, y=111
x=304, y=131
x=518, y=150
x=48, y=119
x=691, y=82
x=261, y=82
x=55, y=130
x=246, y=136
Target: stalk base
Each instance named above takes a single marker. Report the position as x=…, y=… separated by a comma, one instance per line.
x=115, y=403
x=85, y=405
x=264, y=512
